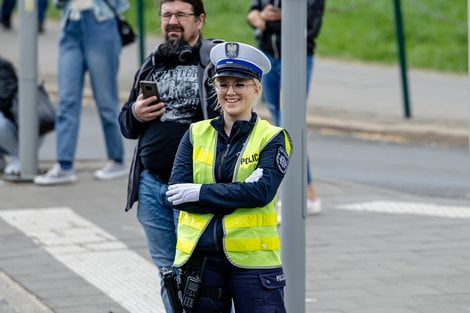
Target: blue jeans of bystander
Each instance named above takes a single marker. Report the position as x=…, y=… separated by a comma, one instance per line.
x=7, y=9
x=159, y=220
x=272, y=92
x=8, y=136
x=88, y=45
x=8, y=6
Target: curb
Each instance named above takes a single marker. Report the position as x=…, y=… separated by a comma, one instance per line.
x=398, y=131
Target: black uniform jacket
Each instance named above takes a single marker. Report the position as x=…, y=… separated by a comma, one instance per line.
x=225, y=196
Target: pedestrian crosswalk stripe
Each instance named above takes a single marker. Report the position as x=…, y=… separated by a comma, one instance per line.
x=414, y=208
x=94, y=254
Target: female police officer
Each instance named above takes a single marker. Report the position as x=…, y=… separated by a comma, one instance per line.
x=224, y=180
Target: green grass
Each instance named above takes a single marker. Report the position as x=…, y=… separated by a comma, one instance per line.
x=225, y=19
x=435, y=30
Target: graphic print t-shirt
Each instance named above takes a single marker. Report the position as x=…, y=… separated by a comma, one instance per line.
x=179, y=90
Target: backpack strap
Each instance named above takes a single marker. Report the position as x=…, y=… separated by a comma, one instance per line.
x=204, y=51
x=145, y=66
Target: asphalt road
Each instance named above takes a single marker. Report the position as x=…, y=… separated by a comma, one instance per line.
x=417, y=169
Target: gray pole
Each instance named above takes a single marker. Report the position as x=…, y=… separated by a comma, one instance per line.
x=468, y=65
x=294, y=97
x=28, y=116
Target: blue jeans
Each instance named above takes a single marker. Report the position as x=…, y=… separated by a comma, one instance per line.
x=159, y=220
x=9, y=141
x=7, y=9
x=87, y=45
x=42, y=8
x=271, y=83
x=8, y=137
x=9, y=5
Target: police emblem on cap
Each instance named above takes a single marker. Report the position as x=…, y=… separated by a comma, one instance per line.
x=231, y=49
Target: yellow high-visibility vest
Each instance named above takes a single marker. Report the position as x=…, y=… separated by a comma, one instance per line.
x=250, y=238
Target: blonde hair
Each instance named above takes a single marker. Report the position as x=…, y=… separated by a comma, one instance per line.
x=255, y=101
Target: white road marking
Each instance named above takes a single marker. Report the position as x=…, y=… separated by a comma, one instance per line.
x=94, y=254
x=414, y=208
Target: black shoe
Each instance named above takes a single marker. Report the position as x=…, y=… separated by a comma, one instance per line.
x=5, y=23
x=3, y=162
x=41, y=29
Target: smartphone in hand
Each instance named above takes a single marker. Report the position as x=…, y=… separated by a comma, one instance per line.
x=149, y=89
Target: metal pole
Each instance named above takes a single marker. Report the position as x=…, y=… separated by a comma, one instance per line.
x=293, y=81
x=468, y=66
x=28, y=116
x=141, y=27
x=402, y=56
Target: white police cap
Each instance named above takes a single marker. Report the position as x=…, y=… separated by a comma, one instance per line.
x=236, y=59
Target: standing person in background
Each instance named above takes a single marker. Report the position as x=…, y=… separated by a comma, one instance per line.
x=180, y=67
x=8, y=128
x=265, y=16
x=89, y=41
x=225, y=179
x=7, y=10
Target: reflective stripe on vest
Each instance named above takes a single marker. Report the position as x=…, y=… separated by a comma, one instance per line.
x=251, y=239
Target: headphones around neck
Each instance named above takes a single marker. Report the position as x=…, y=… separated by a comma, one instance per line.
x=184, y=54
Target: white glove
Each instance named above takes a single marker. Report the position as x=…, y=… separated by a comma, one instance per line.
x=182, y=193
x=255, y=176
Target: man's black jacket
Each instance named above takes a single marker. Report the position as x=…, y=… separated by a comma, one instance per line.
x=131, y=128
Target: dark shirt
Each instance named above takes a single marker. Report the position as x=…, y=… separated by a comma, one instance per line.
x=178, y=89
x=270, y=39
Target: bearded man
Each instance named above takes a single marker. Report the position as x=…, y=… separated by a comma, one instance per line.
x=181, y=68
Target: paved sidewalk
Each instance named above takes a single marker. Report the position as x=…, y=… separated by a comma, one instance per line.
x=410, y=255
x=347, y=97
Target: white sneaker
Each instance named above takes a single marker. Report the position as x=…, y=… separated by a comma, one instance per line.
x=314, y=206
x=56, y=176
x=111, y=170
x=13, y=167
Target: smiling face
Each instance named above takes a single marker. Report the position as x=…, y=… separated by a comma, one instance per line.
x=179, y=22
x=236, y=96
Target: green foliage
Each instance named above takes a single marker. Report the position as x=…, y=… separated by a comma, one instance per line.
x=151, y=18
x=435, y=30
x=226, y=19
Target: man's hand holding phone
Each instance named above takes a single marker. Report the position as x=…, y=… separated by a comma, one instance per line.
x=148, y=106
